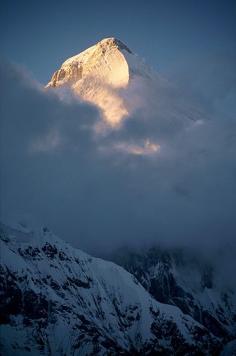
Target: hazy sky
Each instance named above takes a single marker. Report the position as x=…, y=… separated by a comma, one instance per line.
x=170, y=35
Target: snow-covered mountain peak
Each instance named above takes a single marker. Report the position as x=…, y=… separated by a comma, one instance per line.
x=114, y=42
x=99, y=73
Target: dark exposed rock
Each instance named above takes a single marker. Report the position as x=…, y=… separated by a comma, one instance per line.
x=49, y=250
x=155, y=268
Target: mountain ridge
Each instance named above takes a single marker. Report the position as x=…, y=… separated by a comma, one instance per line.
x=182, y=278
x=50, y=289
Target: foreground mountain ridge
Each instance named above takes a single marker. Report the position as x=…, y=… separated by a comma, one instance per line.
x=58, y=300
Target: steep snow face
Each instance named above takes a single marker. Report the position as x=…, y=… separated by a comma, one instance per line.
x=176, y=277
x=99, y=74
x=58, y=300
x=105, y=61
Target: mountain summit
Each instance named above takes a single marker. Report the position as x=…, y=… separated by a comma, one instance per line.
x=99, y=73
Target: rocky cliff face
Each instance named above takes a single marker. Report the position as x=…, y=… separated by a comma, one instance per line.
x=179, y=278
x=57, y=300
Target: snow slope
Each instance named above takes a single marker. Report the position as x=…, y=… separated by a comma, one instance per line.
x=58, y=300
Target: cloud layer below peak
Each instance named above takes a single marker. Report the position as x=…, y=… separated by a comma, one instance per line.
x=168, y=175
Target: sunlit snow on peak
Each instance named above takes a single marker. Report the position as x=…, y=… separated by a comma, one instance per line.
x=99, y=74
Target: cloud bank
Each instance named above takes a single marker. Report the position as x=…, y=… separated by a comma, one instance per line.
x=168, y=175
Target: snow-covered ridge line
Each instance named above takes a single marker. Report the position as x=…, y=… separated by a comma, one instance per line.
x=106, y=43
x=49, y=289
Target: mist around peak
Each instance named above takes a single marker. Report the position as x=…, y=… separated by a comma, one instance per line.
x=166, y=175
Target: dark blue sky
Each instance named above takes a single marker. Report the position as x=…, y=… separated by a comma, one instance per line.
x=169, y=34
